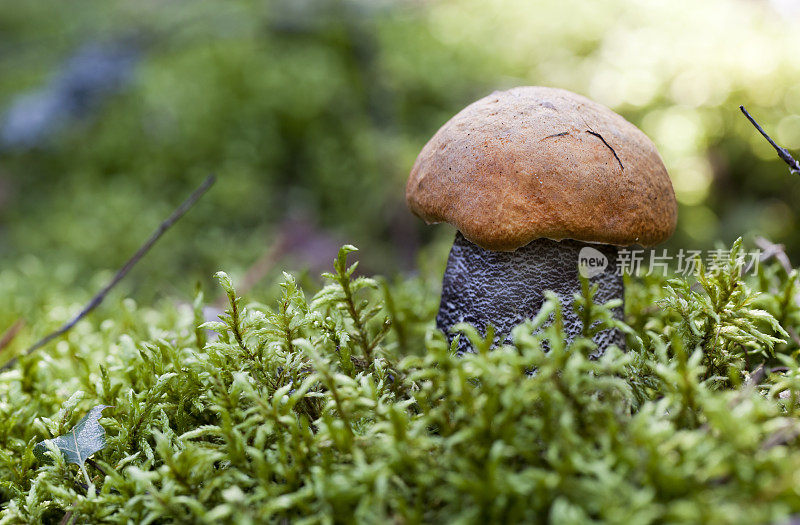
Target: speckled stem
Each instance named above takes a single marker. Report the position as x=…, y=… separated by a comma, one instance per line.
x=504, y=288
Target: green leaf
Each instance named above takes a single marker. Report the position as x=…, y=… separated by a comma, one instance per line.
x=85, y=438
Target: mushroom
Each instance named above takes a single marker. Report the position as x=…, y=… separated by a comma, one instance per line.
x=534, y=178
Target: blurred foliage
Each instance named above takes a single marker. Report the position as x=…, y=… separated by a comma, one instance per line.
x=348, y=406
x=316, y=109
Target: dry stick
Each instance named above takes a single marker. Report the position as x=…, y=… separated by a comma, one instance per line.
x=11, y=333
x=258, y=270
x=97, y=299
x=768, y=251
x=785, y=156
x=67, y=519
x=771, y=249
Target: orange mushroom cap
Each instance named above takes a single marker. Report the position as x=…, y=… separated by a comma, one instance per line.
x=539, y=162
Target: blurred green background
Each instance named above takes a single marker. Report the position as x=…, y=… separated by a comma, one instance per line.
x=311, y=113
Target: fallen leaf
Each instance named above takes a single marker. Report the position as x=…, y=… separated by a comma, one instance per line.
x=85, y=438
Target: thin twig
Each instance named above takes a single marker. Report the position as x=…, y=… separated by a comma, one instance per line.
x=258, y=270
x=97, y=299
x=67, y=519
x=785, y=156
x=768, y=251
x=777, y=251
x=11, y=333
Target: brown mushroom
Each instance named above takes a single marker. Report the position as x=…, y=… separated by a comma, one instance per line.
x=530, y=177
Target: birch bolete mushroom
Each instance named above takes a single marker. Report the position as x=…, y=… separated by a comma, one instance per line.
x=531, y=178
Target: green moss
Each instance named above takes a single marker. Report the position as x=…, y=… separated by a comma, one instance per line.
x=348, y=405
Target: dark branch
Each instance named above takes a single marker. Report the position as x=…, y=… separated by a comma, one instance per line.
x=599, y=136
x=97, y=299
x=785, y=156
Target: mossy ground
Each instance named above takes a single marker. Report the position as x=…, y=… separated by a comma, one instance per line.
x=348, y=406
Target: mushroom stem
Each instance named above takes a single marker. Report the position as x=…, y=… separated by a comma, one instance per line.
x=504, y=288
